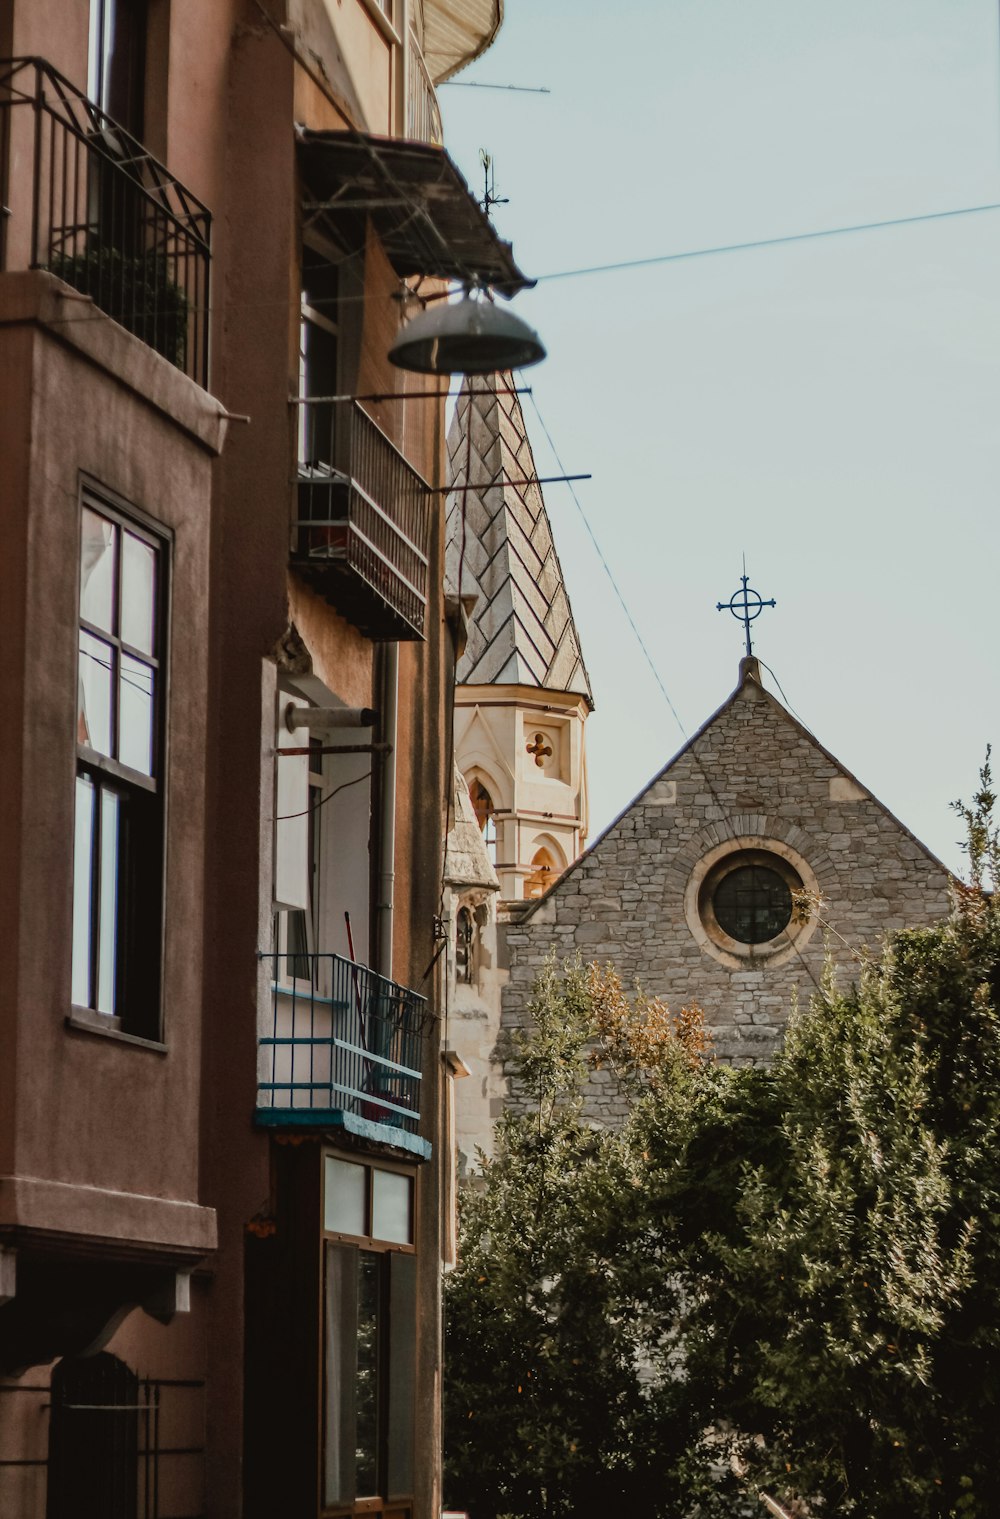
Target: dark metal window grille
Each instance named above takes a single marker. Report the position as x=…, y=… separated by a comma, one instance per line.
x=111, y=1435
x=83, y=198
x=752, y=904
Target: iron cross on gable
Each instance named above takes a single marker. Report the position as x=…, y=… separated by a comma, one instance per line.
x=745, y=605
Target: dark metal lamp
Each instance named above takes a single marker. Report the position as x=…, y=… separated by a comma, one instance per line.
x=466, y=337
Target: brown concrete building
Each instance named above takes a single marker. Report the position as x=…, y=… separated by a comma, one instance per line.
x=223, y=1166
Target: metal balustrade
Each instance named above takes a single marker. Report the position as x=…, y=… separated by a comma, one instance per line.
x=116, y=1448
x=344, y=1046
x=85, y=199
x=362, y=530
x=423, y=114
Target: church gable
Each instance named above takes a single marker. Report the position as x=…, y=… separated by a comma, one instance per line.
x=723, y=882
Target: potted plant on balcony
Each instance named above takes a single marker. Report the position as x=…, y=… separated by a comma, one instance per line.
x=136, y=290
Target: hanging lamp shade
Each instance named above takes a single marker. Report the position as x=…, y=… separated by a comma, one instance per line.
x=466, y=337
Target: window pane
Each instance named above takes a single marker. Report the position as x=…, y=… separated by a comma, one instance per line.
x=138, y=593
x=402, y=1371
x=97, y=570
x=752, y=904
x=94, y=720
x=392, y=1207
x=135, y=715
x=367, y=1382
x=340, y=1442
x=345, y=1197
x=107, y=963
x=82, y=889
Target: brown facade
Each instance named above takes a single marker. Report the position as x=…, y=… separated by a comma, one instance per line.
x=222, y=1167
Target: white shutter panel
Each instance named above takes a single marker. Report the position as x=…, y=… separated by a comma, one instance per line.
x=291, y=828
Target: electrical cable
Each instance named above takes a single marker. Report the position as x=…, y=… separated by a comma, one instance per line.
x=768, y=242
x=614, y=268
x=315, y=806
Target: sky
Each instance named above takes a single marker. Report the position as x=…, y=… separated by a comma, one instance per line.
x=828, y=408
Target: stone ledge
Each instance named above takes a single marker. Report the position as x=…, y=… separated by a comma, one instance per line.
x=58, y=1208
x=35, y=297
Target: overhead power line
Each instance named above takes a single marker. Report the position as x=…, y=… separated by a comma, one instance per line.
x=768, y=242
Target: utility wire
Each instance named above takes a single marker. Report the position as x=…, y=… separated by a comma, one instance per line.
x=768, y=242
x=315, y=806
x=623, y=265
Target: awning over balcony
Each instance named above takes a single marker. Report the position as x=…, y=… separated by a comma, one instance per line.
x=458, y=31
x=427, y=218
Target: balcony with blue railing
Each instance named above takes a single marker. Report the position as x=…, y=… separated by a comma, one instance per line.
x=342, y=1049
x=84, y=199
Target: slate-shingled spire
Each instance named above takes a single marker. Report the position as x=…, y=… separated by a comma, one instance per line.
x=522, y=631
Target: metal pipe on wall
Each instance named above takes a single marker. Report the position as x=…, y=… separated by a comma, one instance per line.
x=387, y=830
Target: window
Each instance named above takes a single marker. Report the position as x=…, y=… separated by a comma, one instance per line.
x=465, y=940
x=370, y=1333
x=296, y=930
x=116, y=60
x=482, y=806
x=319, y=368
x=543, y=873
x=749, y=899
x=753, y=904
x=118, y=847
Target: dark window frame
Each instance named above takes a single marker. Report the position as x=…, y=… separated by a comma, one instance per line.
x=138, y=1015
x=388, y=1346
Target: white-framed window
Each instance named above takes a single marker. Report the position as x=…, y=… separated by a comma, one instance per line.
x=118, y=843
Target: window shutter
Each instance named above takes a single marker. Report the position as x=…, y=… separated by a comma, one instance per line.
x=291, y=828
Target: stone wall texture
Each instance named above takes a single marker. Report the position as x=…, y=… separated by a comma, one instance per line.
x=752, y=773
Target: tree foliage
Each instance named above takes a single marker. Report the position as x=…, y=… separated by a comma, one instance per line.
x=785, y=1280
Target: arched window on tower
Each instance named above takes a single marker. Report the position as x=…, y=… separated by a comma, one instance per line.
x=482, y=806
x=465, y=940
x=543, y=873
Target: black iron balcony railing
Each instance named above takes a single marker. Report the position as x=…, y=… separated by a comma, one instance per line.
x=344, y=1048
x=84, y=199
x=363, y=519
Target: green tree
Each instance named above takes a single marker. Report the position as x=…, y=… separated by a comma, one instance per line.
x=549, y=1410
x=785, y=1280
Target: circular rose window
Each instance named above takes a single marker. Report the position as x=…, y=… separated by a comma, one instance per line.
x=750, y=903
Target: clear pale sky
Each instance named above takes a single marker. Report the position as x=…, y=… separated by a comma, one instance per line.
x=830, y=408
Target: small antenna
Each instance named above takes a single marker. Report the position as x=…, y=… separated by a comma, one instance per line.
x=490, y=197
x=480, y=84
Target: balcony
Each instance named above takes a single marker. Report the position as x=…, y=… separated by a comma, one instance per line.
x=343, y=1051
x=83, y=199
x=363, y=518
x=423, y=114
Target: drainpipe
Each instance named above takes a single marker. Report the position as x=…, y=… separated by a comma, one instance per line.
x=387, y=830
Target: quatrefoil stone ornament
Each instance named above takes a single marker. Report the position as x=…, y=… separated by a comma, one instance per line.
x=540, y=749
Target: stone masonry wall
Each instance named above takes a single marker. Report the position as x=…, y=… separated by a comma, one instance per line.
x=752, y=773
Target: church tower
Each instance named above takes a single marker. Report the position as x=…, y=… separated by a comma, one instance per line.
x=523, y=694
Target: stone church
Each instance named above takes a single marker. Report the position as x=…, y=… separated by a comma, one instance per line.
x=751, y=856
